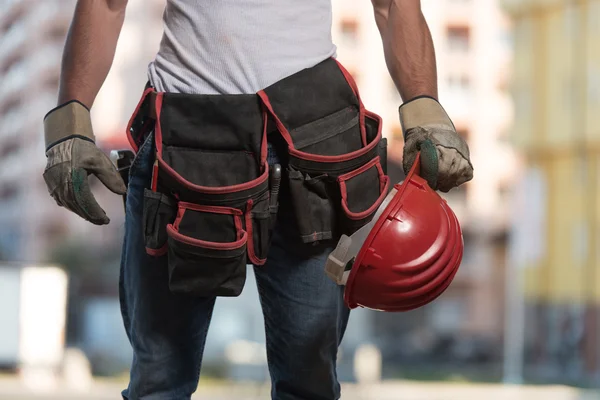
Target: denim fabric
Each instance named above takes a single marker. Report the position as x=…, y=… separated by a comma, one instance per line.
x=305, y=316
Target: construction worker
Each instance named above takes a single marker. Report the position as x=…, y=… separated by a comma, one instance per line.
x=236, y=50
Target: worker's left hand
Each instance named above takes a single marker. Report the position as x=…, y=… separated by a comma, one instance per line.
x=445, y=156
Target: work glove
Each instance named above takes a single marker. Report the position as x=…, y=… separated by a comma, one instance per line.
x=72, y=155
x=445, y=156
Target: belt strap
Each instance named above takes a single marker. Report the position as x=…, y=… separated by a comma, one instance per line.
x=152, y=105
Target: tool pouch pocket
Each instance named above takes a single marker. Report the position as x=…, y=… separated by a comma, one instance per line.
x=337, y=198
x=334, y=135
x=336, y=170
x=362, y=191
x=259, y=220
x=312, y=201
x=207, y=251
x=159, y=211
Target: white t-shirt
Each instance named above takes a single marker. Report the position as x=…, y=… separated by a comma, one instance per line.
x=239, y=46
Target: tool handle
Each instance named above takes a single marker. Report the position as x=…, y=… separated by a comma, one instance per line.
x=122, y=159
x=275, y=183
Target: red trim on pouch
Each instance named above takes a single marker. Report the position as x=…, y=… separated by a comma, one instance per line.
x=251, y=253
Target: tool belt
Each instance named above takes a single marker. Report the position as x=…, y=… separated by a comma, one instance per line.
x=210, y=207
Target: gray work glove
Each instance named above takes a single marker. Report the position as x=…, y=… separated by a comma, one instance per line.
x=72, y=156
x=445, y=156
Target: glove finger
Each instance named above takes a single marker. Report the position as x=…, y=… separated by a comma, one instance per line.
x=82, y=200
x=94, y=161
x=464, y=172
x=454, y=169
x=109, y=176
x=57, y=199
x=429, y=163
x=414, y=138
x=448, y=169
x=64, y=198
x=54, y=179
x=408, y=158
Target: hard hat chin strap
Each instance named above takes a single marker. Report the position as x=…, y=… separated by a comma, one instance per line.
x=340, y=261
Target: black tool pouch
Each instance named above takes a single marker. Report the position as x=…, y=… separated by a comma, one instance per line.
x=337, y=157
x=211, y=161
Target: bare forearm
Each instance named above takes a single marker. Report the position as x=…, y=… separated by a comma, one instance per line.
x=408, y=47
x=90, y=49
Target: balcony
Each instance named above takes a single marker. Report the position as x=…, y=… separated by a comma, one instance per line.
x=458, y=105
x=11, y=125
x=528, y=6
x=12, y=11
x=14, y=39
x=14, y=81
x=48, y=11
x=459, y=12
x=48, y=57
x=11, y=168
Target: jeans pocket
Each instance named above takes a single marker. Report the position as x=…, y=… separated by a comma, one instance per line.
x=207, y=251
x=143, y=156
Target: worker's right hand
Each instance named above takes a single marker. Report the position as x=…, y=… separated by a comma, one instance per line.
x=428, y=130
x=72, y=155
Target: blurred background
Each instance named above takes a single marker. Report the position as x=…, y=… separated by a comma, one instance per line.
x=520, y=79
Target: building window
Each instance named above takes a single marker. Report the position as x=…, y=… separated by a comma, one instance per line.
x=349, y=32
x=447, y=315
x=458, y=38
x=8, y=191
x=580, y=240
x=50, y=83
x=57, y=33
x=504, y=191
x=10, y=105
x=459, y=83
x=459, y=89
x=13, y=16
x=504, y=83
x=10, y=62
x=10, y=146
x=55, y=228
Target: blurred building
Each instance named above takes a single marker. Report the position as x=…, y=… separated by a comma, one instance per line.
x=32, y=34
x=556, y=88
x=32, y=226
x=473, y=48
x=473, y=53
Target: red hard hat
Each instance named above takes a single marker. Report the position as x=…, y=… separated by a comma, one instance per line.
x=411, y=254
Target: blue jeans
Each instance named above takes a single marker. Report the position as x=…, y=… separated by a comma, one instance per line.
x=305, y=316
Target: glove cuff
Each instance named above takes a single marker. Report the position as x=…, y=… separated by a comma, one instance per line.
x=425, y=112
x=69, y=120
